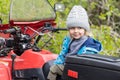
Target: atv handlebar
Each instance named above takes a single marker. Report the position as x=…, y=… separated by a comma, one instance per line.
x=48, y=26
x=12, y=30
x=59, y=29
x=20, y=42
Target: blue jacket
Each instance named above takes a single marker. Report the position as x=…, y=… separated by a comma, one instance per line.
x=90, y=46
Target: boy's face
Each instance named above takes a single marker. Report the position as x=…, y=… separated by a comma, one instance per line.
x=76, y=32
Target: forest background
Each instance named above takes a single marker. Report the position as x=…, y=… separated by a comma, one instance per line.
x=104, y=18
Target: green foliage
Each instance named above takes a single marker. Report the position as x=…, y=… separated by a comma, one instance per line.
x=55, y=41
x=4, y=10
x=108, y=39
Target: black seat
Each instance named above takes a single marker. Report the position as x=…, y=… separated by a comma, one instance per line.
x=46, y=69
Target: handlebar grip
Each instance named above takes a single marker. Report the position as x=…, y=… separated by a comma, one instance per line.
x=9, y=30
x=59, y=29
x=62, y=29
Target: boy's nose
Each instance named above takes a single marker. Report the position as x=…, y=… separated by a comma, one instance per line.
x=76, y=29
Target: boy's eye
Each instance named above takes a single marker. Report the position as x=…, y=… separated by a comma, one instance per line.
x=76, y=28
x=79, y=27
x=72, y=28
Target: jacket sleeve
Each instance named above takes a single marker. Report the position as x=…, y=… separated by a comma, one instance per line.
x=61, y=57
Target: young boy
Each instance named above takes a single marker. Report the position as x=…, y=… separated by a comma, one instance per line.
x=78, y=42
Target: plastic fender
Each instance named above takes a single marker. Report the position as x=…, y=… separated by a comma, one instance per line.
x=4, y=72
x=6, y=60
x=32, y=59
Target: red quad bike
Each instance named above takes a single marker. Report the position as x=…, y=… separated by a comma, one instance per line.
x=21, y=59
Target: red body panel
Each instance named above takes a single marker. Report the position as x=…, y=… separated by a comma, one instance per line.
x=3, y=27
x=4, y=72
x=33, y=59
x=30, y=59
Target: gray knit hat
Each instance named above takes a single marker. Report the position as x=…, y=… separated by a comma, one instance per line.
x=78, y=18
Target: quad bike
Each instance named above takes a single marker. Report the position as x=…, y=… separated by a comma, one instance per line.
x=22, y=59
